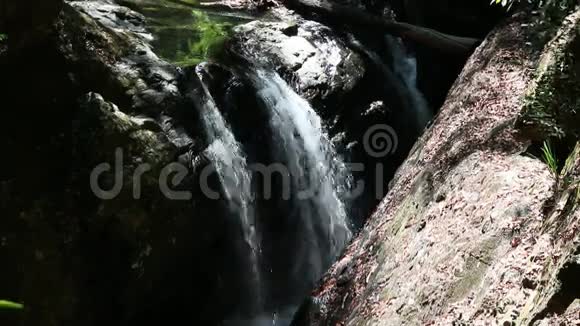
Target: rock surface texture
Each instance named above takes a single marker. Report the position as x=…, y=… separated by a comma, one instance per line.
x=309, y=53
x=474, y=230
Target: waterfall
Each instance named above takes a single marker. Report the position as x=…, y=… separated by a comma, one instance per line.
x=318, y=177
x=316, y=227
x=317, y=171
x=229, y=161
x=405, y=67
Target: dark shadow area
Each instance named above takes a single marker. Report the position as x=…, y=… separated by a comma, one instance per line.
x=569, y=291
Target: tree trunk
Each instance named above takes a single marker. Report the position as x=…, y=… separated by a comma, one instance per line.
x=350, y=15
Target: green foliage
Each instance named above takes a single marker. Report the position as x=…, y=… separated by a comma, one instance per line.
x=212, y=36
x=3, y=37
x=549, y=157
x=9, y=305
x=193, y=39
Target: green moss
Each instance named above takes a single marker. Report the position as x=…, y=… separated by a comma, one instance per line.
x=551, y=108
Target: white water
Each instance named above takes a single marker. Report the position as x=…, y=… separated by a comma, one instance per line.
x=319, y=177
x=230, y=164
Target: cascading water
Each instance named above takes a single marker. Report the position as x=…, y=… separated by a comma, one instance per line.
x=317, y=171
x=277, y=249
x=312, y=213
x=318, y=181
x=235, y=177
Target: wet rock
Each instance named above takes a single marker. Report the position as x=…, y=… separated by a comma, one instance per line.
x=123, y=66
x=118, y=18
x=320, y=65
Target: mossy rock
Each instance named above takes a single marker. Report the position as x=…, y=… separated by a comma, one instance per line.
x=552, y=107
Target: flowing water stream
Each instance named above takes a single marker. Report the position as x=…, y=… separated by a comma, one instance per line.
x=235, y=177
x=318, y=173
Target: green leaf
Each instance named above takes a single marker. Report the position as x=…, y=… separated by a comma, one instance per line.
x=550, y=158
x=4, y=304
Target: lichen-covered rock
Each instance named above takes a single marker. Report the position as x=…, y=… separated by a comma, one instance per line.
x=473, y=231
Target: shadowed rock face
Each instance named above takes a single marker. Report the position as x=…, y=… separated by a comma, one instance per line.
x=463, y=18
x=466, y=18
x=69, y=256
x=18, y=17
